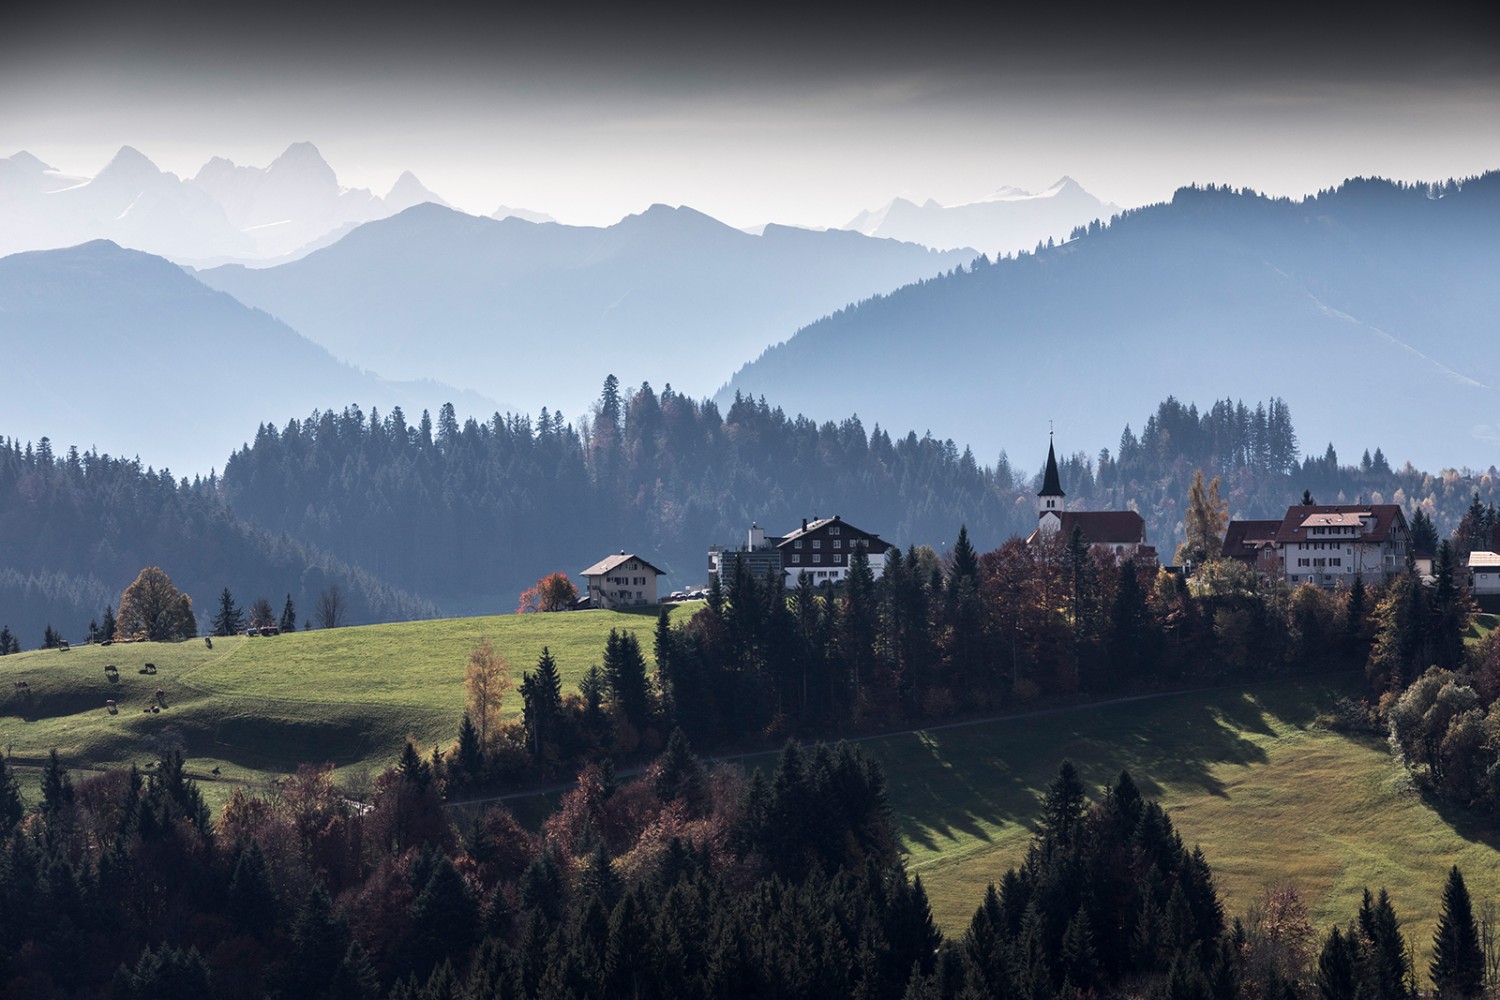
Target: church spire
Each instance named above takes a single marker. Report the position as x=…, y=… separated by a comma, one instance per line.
x=1051, y=496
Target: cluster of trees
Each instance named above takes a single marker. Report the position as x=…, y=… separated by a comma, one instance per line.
x=935, y=636
x=688, y=881
x=1447, y=724
x=76, y=528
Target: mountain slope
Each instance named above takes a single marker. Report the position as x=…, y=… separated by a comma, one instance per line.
x=1369, y=309
x=541, y=313
x=124, y=351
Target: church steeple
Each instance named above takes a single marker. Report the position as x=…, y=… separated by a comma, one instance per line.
x=1051, y=496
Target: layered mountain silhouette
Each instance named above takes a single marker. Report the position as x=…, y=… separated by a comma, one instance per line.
x=225, y=212
x=124, y=351
x=1008, y=221
x=540, y=313
x=1370, y=309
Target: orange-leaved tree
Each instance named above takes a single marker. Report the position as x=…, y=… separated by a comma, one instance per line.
x=553, y=592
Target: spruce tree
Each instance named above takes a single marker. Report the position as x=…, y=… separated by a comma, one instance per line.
x=288, y=622
x=1457, y=967
x=230, y=618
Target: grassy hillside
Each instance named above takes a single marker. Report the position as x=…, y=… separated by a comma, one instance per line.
x=1246, y=773
x=255, y=708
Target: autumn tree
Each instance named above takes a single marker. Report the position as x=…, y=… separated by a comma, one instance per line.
x=1204, y=524
x=486, y=682
x=152, y=608
x=553, y=592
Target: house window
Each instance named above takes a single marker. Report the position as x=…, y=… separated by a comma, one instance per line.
x=798, y=544
x=796, y=559
x=817, y=543
x=817, y=558
x=838, y=558
x=834, y=530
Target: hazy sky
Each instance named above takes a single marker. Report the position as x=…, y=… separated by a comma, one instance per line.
x=758, y=113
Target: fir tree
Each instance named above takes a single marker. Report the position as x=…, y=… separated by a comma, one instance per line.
x=230, y=619
x=288, y=622
x=1457, y=967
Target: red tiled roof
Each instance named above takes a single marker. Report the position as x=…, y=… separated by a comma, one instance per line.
x=1386, y=517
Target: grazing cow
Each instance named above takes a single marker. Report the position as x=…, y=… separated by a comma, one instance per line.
x=214, y=772
x=111, y=707
x=154, y=710
x=62, y=646
x=208, y=641
x=150, y=668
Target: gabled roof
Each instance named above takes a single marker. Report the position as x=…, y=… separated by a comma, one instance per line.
x=1051, y=482
x=1101, y=527
x=606, y=565
x=875, y=543
x=1489, y=561
x=1385, y=517
x=1243, y=538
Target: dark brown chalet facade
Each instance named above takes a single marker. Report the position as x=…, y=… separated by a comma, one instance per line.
x=821, y=548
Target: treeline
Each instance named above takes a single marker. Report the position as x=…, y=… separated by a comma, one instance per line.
x=75, y=529
x=486, y=508
x=475, y=511
x=689, y=881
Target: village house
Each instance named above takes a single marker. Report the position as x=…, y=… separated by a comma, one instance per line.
x=1118, y=534
x=1324, y=544
x=621, y=581
x=821, y=548
x=1484, y=574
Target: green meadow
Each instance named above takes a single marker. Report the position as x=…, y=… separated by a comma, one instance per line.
x=256, y=707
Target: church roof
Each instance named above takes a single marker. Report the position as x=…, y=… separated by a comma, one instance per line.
x=1051, y=484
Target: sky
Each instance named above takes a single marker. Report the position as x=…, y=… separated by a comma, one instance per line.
x=760, y=113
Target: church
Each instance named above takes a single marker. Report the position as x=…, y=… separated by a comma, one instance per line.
x=1119, y=534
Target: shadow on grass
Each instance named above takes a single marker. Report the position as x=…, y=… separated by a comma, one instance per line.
x=1471, y=825
x=961, y=785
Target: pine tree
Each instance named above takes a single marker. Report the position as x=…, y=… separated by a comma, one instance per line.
x=107, y=623
x=8, y=643
x=288, y=622
x=230, y=619
x=1457, y=967
x=11, y=806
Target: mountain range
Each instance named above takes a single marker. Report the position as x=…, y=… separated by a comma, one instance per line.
x=539, y=313
x=225, y=212
x=1369, y=309
x=1008, y=221
x=123, y=351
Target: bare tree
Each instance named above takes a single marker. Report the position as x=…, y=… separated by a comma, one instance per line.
x=330, y=611
x=261, y=615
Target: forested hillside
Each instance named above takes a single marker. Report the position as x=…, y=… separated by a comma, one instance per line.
x=476, y=511
x=75, y=529
x=467, y=514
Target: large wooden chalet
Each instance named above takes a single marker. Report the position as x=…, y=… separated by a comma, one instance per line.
x=821, y=548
